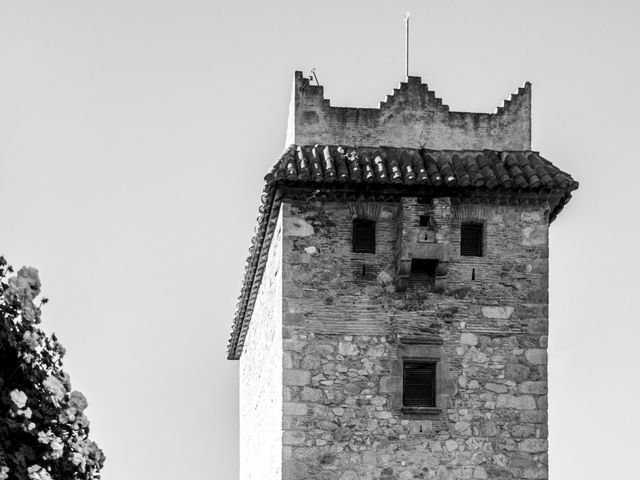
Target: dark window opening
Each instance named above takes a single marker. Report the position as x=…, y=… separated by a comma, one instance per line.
x=426, y=221
x=423, y=273
x=471, y=239
x=364, y=236
x=419, y=384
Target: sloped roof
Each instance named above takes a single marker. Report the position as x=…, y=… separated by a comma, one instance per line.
x=381, y=169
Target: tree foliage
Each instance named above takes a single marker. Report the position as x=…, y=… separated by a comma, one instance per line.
x=44, y=434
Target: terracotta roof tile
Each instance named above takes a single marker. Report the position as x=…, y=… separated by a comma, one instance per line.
x=401, y=169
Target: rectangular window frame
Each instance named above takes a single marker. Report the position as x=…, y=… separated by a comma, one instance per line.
x=362, y=227
x=470, y=250
x=434, y=407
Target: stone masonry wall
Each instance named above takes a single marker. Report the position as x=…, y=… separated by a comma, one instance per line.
x=346, y=331
x=261, y=376
x=412, y=117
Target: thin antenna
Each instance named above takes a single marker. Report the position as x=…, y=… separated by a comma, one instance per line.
x=314, y=76
x=406, y=38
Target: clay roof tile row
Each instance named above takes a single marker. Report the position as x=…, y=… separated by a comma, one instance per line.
x=385, y=165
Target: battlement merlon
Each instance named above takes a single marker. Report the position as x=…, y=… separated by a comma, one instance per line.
x=411, y=117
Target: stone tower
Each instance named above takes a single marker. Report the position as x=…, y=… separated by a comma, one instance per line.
x=394, y=314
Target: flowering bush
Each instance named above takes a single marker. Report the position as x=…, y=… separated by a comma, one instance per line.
x=44, y=434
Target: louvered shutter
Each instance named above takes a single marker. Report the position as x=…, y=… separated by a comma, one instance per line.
x=419, y=384
x=471, y=239
x=364, y=236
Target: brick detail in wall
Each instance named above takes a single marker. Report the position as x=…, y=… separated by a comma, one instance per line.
x=365, y=210
x=470, y=213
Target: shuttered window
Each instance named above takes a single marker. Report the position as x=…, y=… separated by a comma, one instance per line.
x=471, y=239
x=419, y=384
x=364, y=236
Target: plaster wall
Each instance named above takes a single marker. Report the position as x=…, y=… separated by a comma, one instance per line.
x=261, y=376
x=412, y=117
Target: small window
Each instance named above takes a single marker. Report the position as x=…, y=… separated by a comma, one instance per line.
x=426, y=221
x=364, y=236
x=471, y=239
x=419, y=383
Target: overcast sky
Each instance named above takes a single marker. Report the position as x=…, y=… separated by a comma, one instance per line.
x=134, y=137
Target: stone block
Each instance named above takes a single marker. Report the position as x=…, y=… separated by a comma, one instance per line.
x=293, y=319
x=468, y=339
x=348, y=348
x=539, y=473
x=313, y=395
x=297, y=227
x=497, y=312
x=489, y=429
x=496, y=388
x=534, y=235
x=516, y=372
x=451, y=445
x=536, y=356
x=290, y=437
x=537, y=388
x=533, y=445
x=292, y=408
x=533, y=416
x=297, y=377
x=531, y=217
x=518, y=402
x=462, y=429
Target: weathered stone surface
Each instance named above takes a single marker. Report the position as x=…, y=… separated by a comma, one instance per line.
x=292, y=437
x=520, y=402
x=536, y=356
x=517, y=372
x=534, y=235
x=345, y=341
x=493, y=387
x=292, y=408
x=533, y=445
x=497, y=312
x=296, y=377
x=297, y=227
x=538, y=388
x=468, y=339
x=345, y=348
x=411, y=116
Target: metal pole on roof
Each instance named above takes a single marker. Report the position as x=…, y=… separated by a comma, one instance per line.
x=406, y=38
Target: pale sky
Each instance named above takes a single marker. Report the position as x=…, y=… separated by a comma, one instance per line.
x=134, y=137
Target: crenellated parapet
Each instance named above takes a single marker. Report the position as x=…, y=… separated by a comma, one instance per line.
x=413, y=116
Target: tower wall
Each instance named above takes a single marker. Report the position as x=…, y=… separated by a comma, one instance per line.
x=346, y=334
x=412, y=117
x=261, y=376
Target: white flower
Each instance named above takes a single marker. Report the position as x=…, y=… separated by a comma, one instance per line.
x=36, y=472
x=25, y=412
x=55, y=387
x=19, y=398
x=79, y=460
x=78, y=401
x=57, y=447
x=32, y=339
x=4, y=473
x=45, y=437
